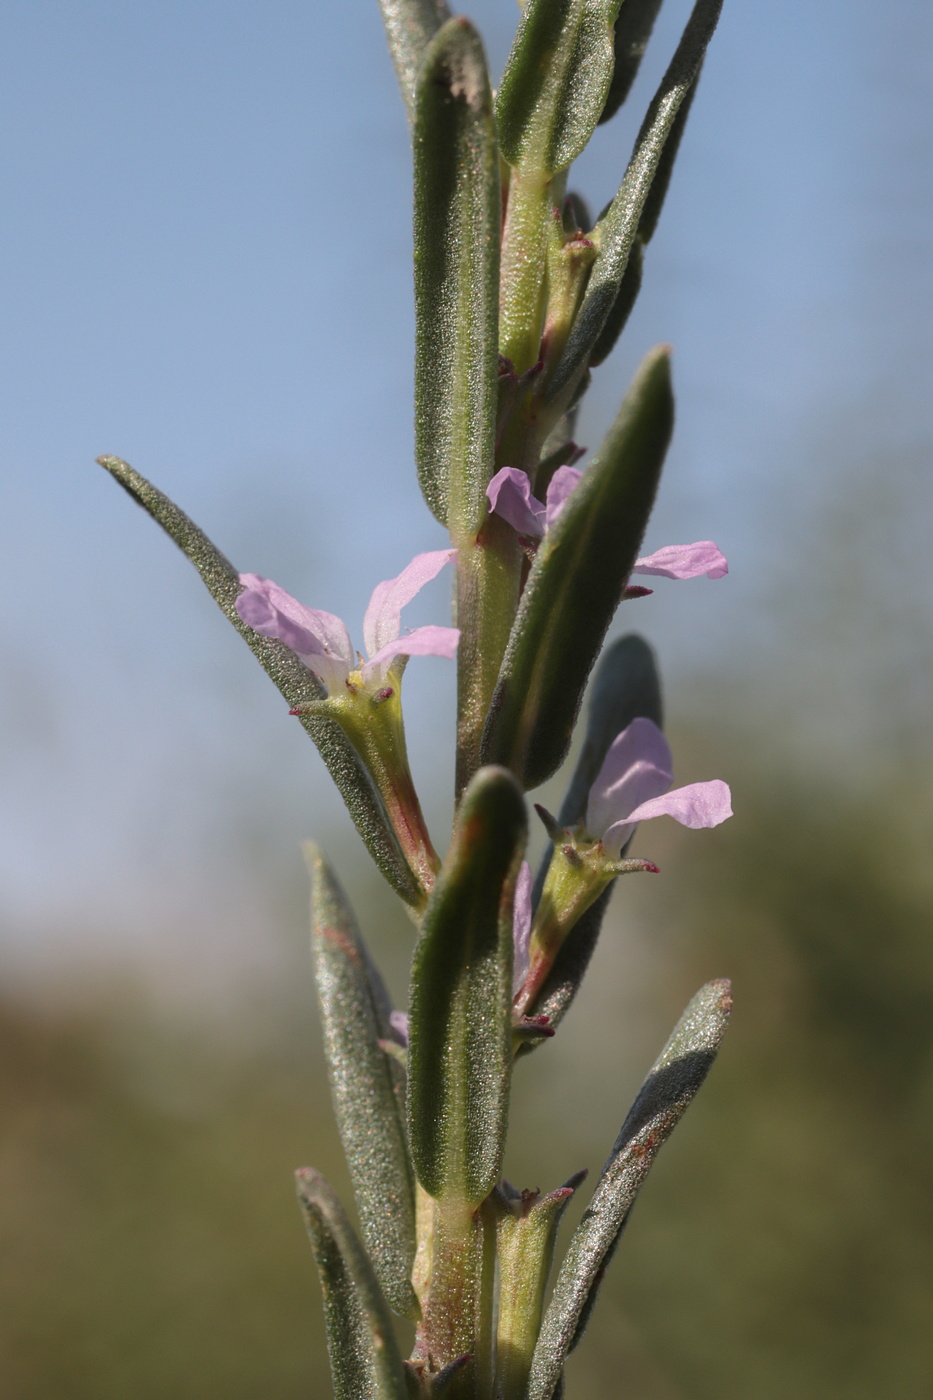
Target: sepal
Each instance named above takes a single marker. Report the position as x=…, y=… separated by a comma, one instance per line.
x=527, y=1233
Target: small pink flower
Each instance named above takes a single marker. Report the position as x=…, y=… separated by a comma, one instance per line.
x=634, y=784
x=322, y=641
x=509, y=495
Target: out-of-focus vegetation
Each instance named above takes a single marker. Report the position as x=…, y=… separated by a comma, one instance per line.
x=783, y=1246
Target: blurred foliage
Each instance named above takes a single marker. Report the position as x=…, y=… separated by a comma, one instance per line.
x=783, y=1246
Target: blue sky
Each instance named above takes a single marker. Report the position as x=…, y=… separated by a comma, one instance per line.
x=206, y=235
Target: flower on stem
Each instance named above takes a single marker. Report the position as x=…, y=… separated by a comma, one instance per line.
x=633, y=785
x=322, y=641
x=363, y=696
x=509, y=495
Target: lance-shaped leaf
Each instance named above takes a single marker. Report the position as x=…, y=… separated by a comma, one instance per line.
x=355, y=1017
x=410, y=27
x=456, y=278
x=460, y=1031
x=576, y=583
x=617, y=229
x=625, y=686
x=674, y=1080
x=632, y=32
x=555, y=82
x=292, y=678
x=364, y=1357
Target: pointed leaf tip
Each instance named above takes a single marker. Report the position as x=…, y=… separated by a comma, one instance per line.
x=295, y=682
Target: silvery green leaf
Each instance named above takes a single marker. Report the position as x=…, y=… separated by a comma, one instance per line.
x=555, y=82
x=460, y=1016
x=354, y=1015
x=626, y=297
x=410, y=27
x=292, y=678
x=617, y=229
x=457, y=218
x=675, y=1078
x=576, y=583
x=632, y=31
x=364, y=1357
x=662, y=178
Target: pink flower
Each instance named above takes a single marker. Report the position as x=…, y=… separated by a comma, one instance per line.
x=509, y=495
x=322, y=641
x=634, y=784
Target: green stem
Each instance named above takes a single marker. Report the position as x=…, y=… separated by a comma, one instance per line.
x=453, y=1303
x=488, y=578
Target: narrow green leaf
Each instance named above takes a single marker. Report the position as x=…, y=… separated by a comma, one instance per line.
x=617, y=229
x=632, y=32
x=457, y=217
x=662, y=177
x=460, y=1036
x=292, y=678
x=364, y=1357
x=555, y=82
x=410, y=27
x=674, y=1080
x=576, y=584
x=355, y=1017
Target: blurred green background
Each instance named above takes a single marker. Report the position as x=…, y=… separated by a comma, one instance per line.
x=205, y=204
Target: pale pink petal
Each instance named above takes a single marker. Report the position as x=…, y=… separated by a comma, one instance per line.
x=383, y=620
x=422, y=641
x=398, y=1020
x=696, y=805
x=521, y=926
x=684, y=561
x=637, y=766
x=319, y=638
x=509, y=495
x=564, y=480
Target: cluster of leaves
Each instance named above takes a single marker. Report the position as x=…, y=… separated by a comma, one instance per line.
x=515, y=304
